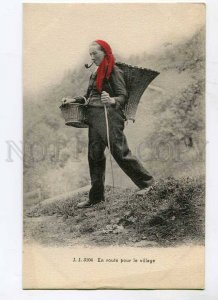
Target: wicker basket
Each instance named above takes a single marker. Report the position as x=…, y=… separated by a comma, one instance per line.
x=74, y=115
x=136, y=79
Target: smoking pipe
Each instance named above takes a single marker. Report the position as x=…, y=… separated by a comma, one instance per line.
x=89, y=66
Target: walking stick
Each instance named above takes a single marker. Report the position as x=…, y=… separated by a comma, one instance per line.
x=108, y=141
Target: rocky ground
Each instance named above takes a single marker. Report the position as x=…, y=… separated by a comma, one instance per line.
x=172, y=213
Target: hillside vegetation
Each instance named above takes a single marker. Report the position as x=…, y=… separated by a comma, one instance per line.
x=169, y=124
x=171, y=214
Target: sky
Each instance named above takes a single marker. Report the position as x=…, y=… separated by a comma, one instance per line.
x=56, y=37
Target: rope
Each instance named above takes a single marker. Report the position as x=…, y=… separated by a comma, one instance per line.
x=108, y=141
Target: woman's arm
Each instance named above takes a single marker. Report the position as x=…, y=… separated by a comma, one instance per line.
x=118, y=86
x=79, y=99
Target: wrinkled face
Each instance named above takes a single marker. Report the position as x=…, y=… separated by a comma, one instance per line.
x=96, y=54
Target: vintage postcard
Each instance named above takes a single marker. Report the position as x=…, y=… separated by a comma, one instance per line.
x=114, y=146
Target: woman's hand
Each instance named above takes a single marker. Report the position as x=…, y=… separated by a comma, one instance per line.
x=67, y=100
x=106, y=99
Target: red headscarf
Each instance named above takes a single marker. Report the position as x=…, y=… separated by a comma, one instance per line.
x=106, y=66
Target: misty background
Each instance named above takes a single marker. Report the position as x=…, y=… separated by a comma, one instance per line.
x=168, y=135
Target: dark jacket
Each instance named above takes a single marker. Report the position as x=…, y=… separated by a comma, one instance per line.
x=115, y=86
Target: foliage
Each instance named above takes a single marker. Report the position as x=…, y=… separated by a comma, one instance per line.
x=182, y=117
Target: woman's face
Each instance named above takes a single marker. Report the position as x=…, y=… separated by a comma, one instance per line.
x=96, y=54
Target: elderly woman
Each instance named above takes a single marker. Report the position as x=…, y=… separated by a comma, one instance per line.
x=107, y=87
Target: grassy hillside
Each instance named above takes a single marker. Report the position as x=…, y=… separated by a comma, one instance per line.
x=170, y=214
